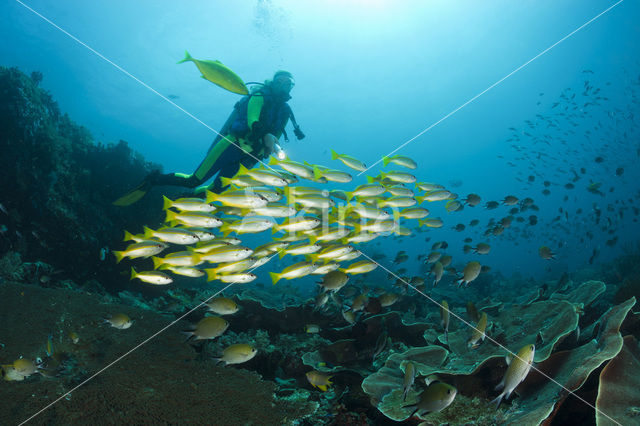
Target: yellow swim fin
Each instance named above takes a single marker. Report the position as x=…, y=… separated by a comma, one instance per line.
x=138, y=192
x=130, y=197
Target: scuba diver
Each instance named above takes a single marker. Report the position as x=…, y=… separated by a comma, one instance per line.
x=250, y=134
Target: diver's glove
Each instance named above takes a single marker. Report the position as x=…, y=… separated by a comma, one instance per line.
x=298, y=133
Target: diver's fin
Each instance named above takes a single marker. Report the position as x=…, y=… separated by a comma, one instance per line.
x=138, y=192
x=131, y=197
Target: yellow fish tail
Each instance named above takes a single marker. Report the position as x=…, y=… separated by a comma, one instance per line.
x=157, y=262
x=187, y=57
x=225, y=181
x=167, y=202
x=148, y=232
x=316, y=172
x=119, y=255
x=211, y=196
x=211, y=274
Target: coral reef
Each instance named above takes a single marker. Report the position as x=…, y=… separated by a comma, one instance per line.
x=618, y=386
x=546, y=323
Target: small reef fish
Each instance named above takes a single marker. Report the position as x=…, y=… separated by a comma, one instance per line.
x=510, y=200
x=382, y=342
x=517, y=371
x=19, y=370
x=546, y=253
x=360, y=267
x=396, y=177
x=298, y=169
x=359, y=302
x=296, y=270
x=349, y=161
x=388, y=299
x=366, y=191
x=444, y=319
x=478, y=333
x=219, y=74
x=334, y=281
x=151, y=277
x=240, y=200
x=412, y=213
x=482, y=248
x=470, y=273
x=472, y=312
x=349, y=316
x=207, y=328
x=201, y=219
x=203, y=234
x=185, y=271
x=321, y=300
x=431, y=223
x=142, y=249
x=312, y=328
x=331, y=175
x=237, y=278
x=296, y=224
x=119, y=321
x=319, y=380
x=400, y=160
x=263, y=175
x=437, y=269
x=222, y=306
x=168, y=235
x=300, y=249
x=224, y=254
x=409, y=377
x=472, y=200
x=188, y=204
x=237, y=354
x=436, y=397
x=179, y=258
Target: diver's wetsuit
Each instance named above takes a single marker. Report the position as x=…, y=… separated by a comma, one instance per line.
x=263, y=112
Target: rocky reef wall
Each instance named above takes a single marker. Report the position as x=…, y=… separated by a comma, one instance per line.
x=57, y=184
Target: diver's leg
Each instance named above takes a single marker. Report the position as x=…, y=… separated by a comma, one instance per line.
x=228, y=166
x=205, y=170
x=212, y=162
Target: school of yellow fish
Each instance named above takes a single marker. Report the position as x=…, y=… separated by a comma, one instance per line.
x=320, y=226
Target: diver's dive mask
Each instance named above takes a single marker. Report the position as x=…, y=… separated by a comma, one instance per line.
x=283, y=81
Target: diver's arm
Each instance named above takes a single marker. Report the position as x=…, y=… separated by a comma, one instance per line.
x=279, y=133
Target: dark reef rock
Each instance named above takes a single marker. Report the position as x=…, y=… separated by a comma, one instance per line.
x=57, y=185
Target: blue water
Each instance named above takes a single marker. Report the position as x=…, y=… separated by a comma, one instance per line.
x=369, y=76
